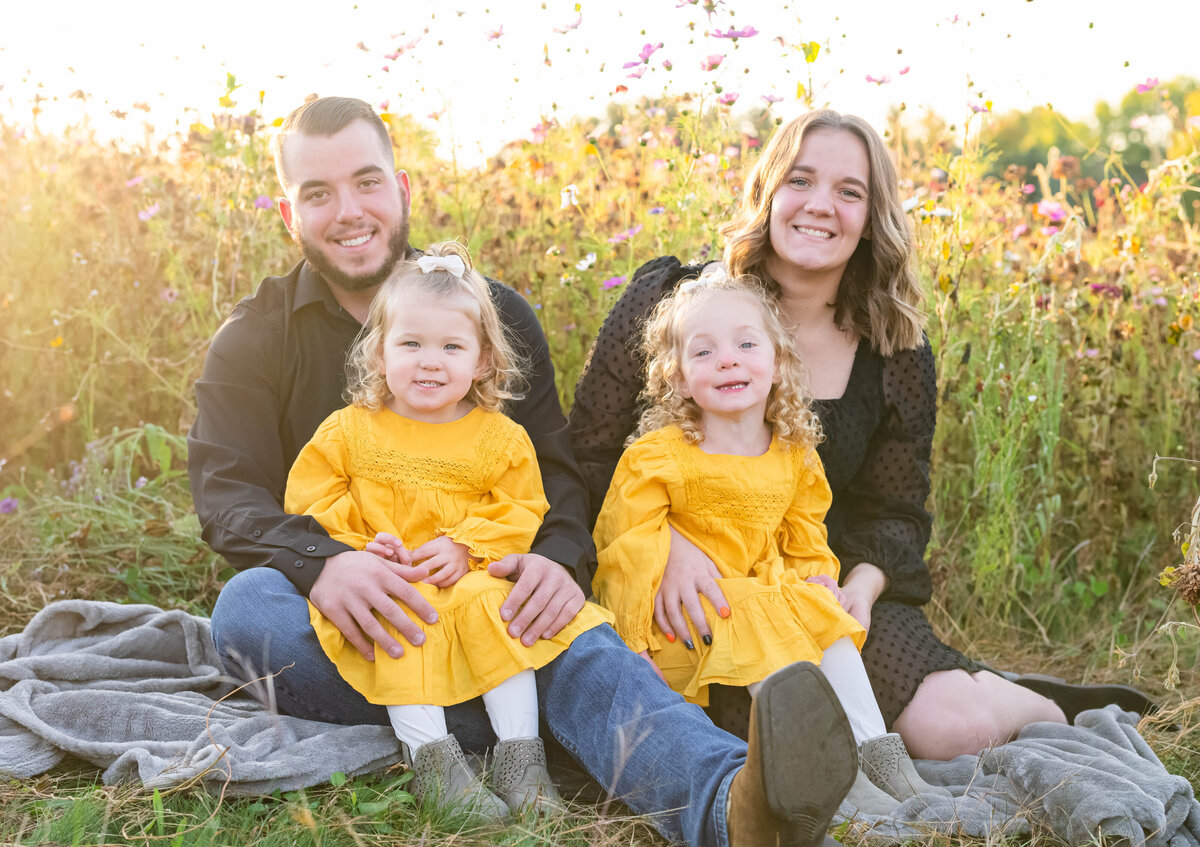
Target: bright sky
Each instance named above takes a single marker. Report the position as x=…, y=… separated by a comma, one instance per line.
x=491, y=70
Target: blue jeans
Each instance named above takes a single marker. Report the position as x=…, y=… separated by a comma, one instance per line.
x=658, y=754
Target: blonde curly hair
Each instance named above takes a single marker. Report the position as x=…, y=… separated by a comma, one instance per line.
x=366, y=384
x=789, y=404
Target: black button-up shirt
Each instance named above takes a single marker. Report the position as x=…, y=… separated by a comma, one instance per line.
x=276, y=370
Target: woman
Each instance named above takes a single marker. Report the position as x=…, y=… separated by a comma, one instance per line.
x=820, y=223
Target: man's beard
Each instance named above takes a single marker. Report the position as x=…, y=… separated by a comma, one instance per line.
x=397, y=250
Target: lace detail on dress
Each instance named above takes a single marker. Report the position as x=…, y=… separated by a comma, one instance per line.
x=727, y=499
x=368, y=460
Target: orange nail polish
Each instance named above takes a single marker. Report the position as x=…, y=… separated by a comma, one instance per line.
x=670, y=636
x=724, y=611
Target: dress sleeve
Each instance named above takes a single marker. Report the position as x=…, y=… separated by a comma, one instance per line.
x=632, y=542
x=564, y=535
x=887, y=523
x=803, y=539
x=605, y=408
x=507, y=520
x=319, y=486
x=236, y=464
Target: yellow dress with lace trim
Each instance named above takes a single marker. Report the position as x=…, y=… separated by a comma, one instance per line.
x=761, y=521
x=475, y=480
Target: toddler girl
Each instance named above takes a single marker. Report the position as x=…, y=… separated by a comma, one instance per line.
x=423, y=468
x=726, y=457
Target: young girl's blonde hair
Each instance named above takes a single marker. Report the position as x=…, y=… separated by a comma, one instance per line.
x=789, y=411
x=366, y=384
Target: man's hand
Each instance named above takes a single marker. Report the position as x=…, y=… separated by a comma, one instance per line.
x=545, y=599
x=688, y=574
x=355, y=584
x=860, y=589
x=446, y=559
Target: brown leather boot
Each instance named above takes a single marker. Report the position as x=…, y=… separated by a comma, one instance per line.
x=801, y=760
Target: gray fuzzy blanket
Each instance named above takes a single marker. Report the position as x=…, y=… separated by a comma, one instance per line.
x=1097, y=777
x=139, y=692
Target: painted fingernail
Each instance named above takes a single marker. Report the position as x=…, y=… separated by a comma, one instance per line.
x=724, y=611
x=687, y=642
x=707, y=639
x=670, y=636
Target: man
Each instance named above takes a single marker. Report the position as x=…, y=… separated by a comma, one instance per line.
x=276, y=370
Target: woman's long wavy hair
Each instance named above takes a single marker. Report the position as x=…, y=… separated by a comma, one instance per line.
x=366, y=384
x=879, y=298
x=788, y=412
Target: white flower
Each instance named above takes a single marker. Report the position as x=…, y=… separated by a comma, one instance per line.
x=586, y=262
x=570, y=196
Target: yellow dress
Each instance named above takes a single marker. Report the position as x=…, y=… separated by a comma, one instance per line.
x=760, y=520
x=475, y=480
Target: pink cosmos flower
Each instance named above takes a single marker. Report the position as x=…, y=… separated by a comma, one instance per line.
x=667, y=64
x=1028, y=188
x=262, y=201
x=712, y=62
x=147, y=214
x=769, y=99
x=493, y=34
x=383, y=105
x=612, y=282
x=565, y=28
x=636, y=74
x=1140, y=122
x=1052, y=210
x=1019, y=230
x=904, y=70
x=626, y=235
x=8, y=505
x=1196, y=354
x=728, y=98
x=883, y=80
x=735, y=34
x=1048, y=231
x=1150, y=84
x=137, y=180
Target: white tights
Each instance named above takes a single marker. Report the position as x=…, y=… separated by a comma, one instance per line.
x=843, y=667
x=511, y=707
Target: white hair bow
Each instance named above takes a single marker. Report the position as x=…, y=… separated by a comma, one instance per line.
x=451, y=264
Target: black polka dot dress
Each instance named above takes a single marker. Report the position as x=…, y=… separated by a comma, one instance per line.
x=876, y=454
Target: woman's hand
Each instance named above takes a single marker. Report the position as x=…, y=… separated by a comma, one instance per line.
x=447, y=560
x=688, y=574
x=830, y=583
x=860, y=589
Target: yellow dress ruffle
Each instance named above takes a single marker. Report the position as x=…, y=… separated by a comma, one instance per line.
x=761, y=521
x=475, y=480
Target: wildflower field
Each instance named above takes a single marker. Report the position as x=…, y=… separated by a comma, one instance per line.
x=1064, y=301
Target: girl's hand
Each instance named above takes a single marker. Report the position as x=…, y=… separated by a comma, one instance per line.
x=688, y=574
x=861, y=588
x=447, y=560
x=388, y=546
x=645, y=654
x=830, y=583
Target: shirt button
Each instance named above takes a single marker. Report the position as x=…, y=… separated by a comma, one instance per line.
x=257, y=533
x=298, y=563
x=312, y=548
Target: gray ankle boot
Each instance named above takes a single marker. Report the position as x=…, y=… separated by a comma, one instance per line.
x=441, y=771
x=866, y=798
x=520, y=778
x=886, y=763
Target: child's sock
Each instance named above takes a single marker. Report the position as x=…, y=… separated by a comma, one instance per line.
x=512, y=707
x=418, y=725
x=843, y=667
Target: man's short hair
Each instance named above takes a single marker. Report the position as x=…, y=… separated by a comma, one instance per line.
x=326, y=116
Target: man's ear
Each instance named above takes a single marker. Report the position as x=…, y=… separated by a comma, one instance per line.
x=405, y=190
x=285, y=212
